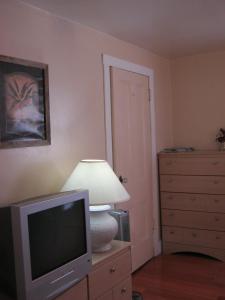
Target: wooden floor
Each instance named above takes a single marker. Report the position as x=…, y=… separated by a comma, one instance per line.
x=181, y=277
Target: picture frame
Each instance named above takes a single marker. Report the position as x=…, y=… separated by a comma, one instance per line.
x=24, y=103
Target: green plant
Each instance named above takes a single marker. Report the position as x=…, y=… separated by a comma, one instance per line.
x=220, y=138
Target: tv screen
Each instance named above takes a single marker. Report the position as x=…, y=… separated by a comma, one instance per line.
x=57, y=236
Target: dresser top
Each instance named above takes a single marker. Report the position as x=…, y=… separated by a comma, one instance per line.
x=196, y=153
x=117, y=248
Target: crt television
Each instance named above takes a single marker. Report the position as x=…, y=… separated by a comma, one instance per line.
x=44, y=245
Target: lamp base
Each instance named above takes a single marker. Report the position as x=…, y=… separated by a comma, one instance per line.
x=103, y=228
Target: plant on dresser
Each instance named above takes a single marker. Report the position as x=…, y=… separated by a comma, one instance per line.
x=192, y=196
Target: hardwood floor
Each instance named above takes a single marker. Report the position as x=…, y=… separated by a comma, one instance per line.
x=181, y=277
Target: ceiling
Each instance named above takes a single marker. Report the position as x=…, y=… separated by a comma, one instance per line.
x=170, y=28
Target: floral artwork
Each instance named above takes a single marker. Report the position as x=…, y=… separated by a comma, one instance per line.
x=24, y=103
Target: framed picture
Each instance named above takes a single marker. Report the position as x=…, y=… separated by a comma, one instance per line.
x=24, y=103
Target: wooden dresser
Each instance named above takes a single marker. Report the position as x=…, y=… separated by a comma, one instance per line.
x=110, y=277
x=192, y=193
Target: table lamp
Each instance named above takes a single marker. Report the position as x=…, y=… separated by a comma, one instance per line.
x=104, y=189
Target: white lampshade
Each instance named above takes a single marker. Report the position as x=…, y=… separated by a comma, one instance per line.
x=98, y=177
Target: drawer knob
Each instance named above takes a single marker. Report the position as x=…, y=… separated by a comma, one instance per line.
x=170, y=197
x=218, y=238
x=215, y=163
x=122, y=179
x=217, y=219
x=216, y=200
x=216, y=181
x=171, y=232
x=113, y=270
x=123, y=290
x=194, y=235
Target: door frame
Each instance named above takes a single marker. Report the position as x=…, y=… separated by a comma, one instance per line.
x=108, y=62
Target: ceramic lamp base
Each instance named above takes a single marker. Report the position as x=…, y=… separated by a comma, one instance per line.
x=103, y=228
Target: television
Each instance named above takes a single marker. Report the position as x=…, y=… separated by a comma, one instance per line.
x=44, y=245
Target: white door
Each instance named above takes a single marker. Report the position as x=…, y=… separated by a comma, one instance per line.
x=131, y=142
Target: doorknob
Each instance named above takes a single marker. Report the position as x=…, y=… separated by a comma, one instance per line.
x=122, y=179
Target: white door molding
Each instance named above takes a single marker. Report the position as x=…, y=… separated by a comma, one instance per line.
x=109, y=61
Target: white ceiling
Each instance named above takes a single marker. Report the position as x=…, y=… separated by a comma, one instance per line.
x=169, y=28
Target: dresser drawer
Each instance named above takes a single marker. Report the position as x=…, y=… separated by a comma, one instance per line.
x=192, y=165
x=123, y=291
x=193, y=219
x=108, y=275
x=199, y=202
x=196, y=237
x=192, y=184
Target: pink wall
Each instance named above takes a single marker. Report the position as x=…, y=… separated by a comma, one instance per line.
x=74, y=55
x=198, y=99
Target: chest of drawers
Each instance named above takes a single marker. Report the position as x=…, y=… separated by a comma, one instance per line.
x=110, y=277
x=192, y=196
